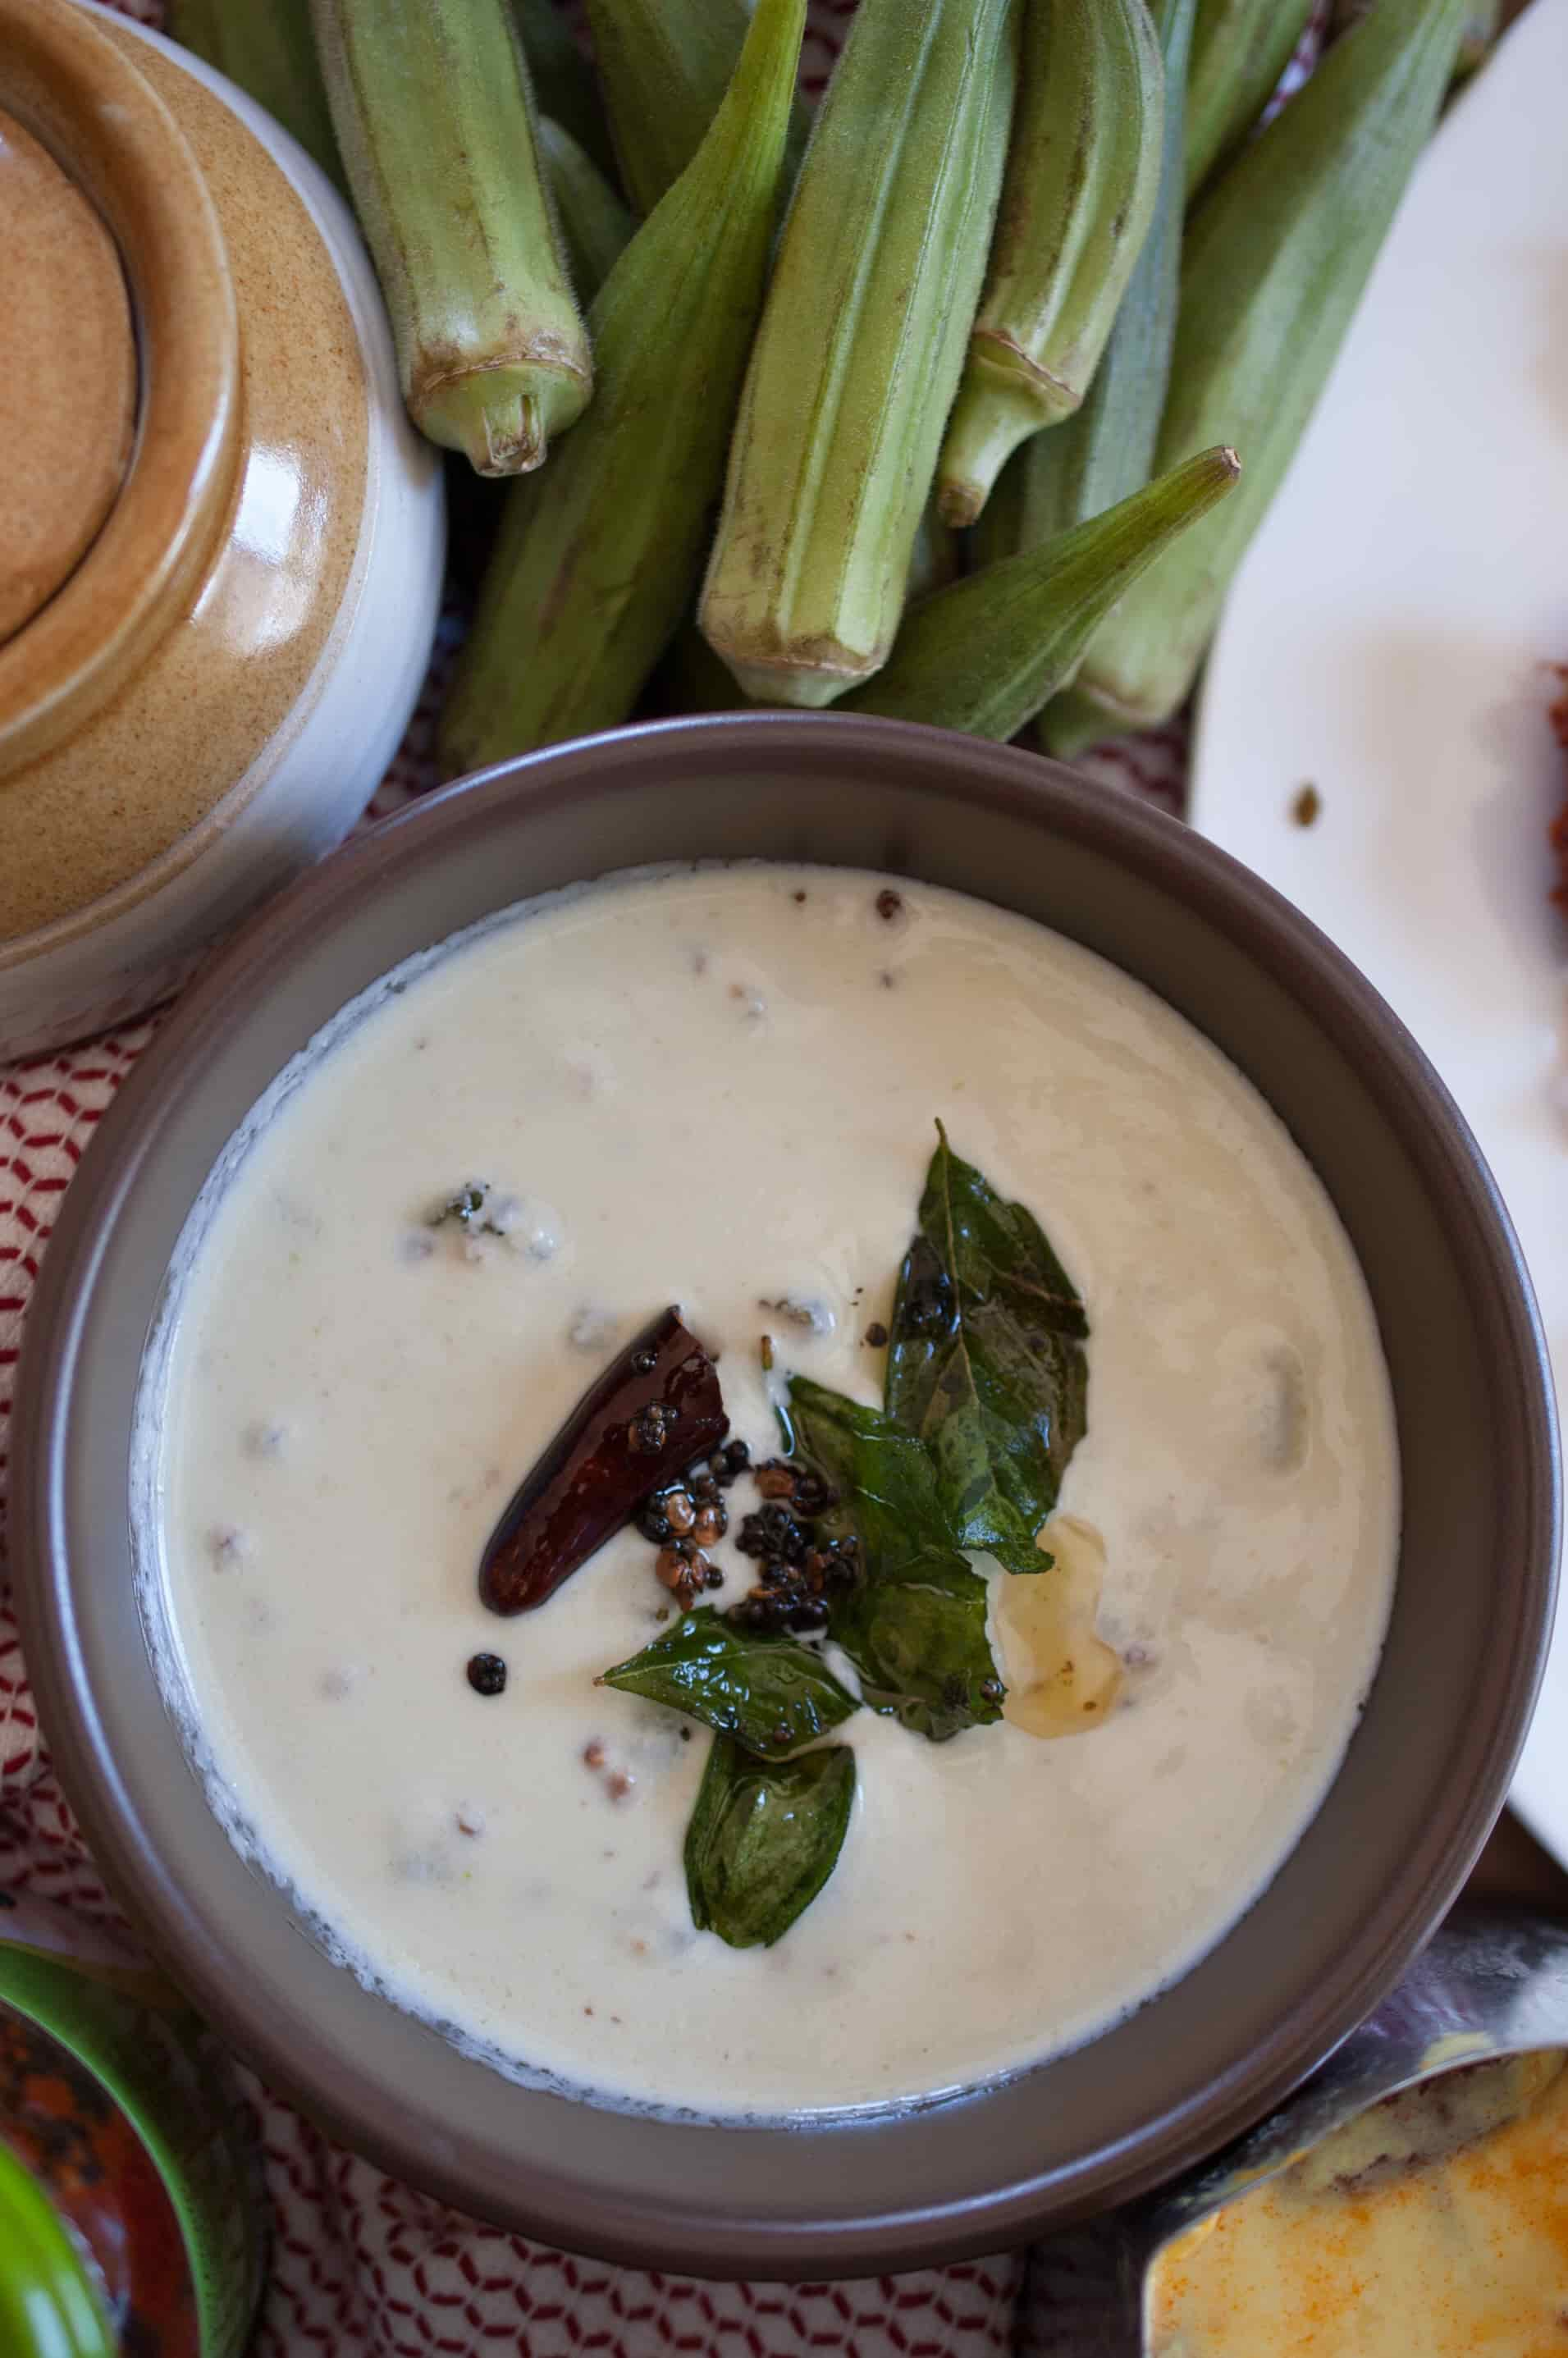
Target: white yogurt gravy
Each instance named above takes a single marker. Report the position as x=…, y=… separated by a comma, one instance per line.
x=718, y=1088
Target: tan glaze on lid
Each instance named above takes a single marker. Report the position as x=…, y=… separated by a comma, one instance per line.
x=66, y=82
x=67, y=376
x=154, y=778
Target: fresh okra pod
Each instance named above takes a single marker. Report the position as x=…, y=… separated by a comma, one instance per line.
x=1240, y=47
x=692, y=678
x=564, y=83
x=933, y=561
x=597, y=560
x=594, y=222
x=270, y=51
x=1106, y=451
x=984, y=655
x=1483, y=22
x=434, y=115
x=664, y=66
x=1083, y=172
x=1277, y=255
x=860, y=346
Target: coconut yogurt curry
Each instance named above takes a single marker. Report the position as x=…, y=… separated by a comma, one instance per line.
x=774, y=1490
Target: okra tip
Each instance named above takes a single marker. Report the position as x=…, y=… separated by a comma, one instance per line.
x=495, y=416
x=1078, y=718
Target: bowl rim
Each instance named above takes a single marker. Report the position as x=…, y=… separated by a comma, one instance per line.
x=332, y=2087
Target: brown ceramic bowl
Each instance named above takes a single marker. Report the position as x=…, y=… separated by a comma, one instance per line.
x=1425, y=1772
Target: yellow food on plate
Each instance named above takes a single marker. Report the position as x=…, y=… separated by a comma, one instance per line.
x=1436, y=2223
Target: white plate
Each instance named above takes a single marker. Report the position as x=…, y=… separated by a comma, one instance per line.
x=1389, y=640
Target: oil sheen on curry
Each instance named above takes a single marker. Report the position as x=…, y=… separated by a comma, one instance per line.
x=766, y=1489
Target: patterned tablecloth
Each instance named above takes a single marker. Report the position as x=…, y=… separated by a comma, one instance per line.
x=364, y=2267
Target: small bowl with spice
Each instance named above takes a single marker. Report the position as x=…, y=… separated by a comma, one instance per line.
x=773, y=1403
x=223, y=540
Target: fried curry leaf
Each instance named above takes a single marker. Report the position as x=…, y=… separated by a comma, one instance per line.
x=986, y=1364
x=917, y=1638
x=770, y=1692
x=765, y=1837
x=884, y=1480
x=913, y=1624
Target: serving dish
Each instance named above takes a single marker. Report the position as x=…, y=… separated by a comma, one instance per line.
x=203, y=688
x=1492, y=1983
x=1391, y=641
x=1426, y=1769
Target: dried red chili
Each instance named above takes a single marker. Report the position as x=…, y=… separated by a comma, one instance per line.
x=654, y=1410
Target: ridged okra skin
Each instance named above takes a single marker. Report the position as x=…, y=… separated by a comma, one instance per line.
x=984, y=655
x=1083, y=175
x=564, y=83
x=594, y=224
x=1105, y=452
x=1240, y=47
x=433, y=116
x=860, y=346
x=1277, y=256
x=598, y=559
x=663, y=67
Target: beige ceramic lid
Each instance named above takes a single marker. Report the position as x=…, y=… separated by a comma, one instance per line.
x=67, y=376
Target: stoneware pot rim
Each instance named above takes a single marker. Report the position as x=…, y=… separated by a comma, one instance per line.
x=967, y=2175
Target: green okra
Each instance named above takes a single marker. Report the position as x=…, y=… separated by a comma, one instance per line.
x=984, y=655
x=934, y=560
x=664, y=65
x=594, y=222
x=563, y=80
x=1106, y=451
x=598, y=561
x=270, y=51
x=1483, y=22
x=1277, y=256
x=1083, y=173
x=692, y=678
x=1240, y=47
x=433, y=116
x=860, y=346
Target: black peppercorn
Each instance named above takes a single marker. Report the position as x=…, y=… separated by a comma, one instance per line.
x=487, y=1674
x=650, y=1428
x=644, y=1362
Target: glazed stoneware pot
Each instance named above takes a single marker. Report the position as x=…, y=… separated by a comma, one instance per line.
x=1429, y=1763
x=222, y=542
